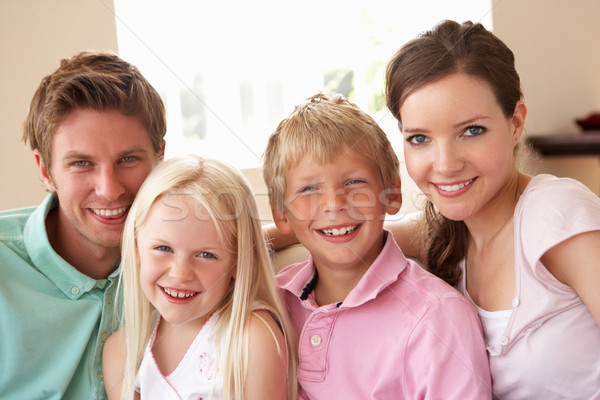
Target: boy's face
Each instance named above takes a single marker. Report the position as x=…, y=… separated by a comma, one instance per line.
x=337, y=210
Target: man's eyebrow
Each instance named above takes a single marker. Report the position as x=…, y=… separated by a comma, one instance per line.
x=84, y=156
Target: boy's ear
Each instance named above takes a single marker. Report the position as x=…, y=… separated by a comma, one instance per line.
x=281, y=221
x=44, y=171
x=393, y=198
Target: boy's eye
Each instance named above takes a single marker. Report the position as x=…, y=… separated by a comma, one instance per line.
x=206, y=254
x=474, y=130
x=307, y=189
x=417, y=139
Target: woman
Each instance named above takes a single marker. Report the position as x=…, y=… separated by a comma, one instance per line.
x=525, y=250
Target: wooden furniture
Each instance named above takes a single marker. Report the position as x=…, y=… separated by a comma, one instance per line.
x=587, y=143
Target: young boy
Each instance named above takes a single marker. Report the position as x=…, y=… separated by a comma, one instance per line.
x=371, y=324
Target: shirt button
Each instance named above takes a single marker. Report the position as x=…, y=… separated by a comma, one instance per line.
x=503, y=340
x=100, y=376
x=103, y=337
x=75, y=290
x=515, y=302
x=315, y=340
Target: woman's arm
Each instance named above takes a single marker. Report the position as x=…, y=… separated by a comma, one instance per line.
x=267, y=367
x=407, y=234
x=576, y=262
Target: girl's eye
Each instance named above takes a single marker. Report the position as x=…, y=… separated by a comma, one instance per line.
x=354, y=181
x=416, y=139
x=474, y=130
x=206, y=254
x=163, y=248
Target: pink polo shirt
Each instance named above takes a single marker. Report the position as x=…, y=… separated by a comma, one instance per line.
x=401, y=333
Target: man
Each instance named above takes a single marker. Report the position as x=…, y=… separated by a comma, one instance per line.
x=96, y=128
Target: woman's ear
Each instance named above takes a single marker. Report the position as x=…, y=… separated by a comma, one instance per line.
x=392, y=198
x=44, y=171
x=518, y=121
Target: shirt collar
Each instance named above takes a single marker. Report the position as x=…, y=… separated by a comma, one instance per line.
x=385, y=270
x=66, y=277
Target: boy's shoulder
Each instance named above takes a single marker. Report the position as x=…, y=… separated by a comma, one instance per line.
x=416, y=280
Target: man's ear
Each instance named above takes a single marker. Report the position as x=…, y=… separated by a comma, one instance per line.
x=281, y=221
x=44, y=171
x=392, y=198
x=162, y=150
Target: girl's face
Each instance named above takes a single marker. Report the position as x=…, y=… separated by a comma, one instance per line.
x=459, y=145
x=185, y=271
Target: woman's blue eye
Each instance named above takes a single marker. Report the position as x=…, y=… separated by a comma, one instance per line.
x=417, y=139
x=474, y=130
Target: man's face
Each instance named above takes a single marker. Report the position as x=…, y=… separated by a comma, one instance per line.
x=99, y=162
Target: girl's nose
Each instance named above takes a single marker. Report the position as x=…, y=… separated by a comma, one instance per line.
x=181, y=272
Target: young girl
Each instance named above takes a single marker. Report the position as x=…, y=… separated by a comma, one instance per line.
x=525, y=250
x=203, y=314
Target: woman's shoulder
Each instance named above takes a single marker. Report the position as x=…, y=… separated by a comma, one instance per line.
x=547, y=195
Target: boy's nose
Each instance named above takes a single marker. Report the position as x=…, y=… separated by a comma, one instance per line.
x=336, y=201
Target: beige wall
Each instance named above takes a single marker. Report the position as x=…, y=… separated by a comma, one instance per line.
x=34, y=35
x=557, y=49
x=556, y=42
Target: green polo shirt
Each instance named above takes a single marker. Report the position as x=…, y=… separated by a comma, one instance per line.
x=54, y=320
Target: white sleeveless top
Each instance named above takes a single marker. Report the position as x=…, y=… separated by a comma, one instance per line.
x=195, y=378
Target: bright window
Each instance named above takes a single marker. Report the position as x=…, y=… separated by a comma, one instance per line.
x=229, y=71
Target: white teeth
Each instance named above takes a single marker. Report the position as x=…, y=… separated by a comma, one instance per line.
x=339, y=232
x=107, y=212
x=178, y=294
x=454, y=188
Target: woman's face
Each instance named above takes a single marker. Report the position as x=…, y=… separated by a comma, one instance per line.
x=459, y=145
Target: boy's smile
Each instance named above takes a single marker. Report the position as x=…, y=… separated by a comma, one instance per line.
x=337, y=210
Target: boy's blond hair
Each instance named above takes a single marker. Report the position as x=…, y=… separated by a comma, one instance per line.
x=324, y=128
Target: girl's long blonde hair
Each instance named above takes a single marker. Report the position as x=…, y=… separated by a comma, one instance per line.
x=228, y=199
